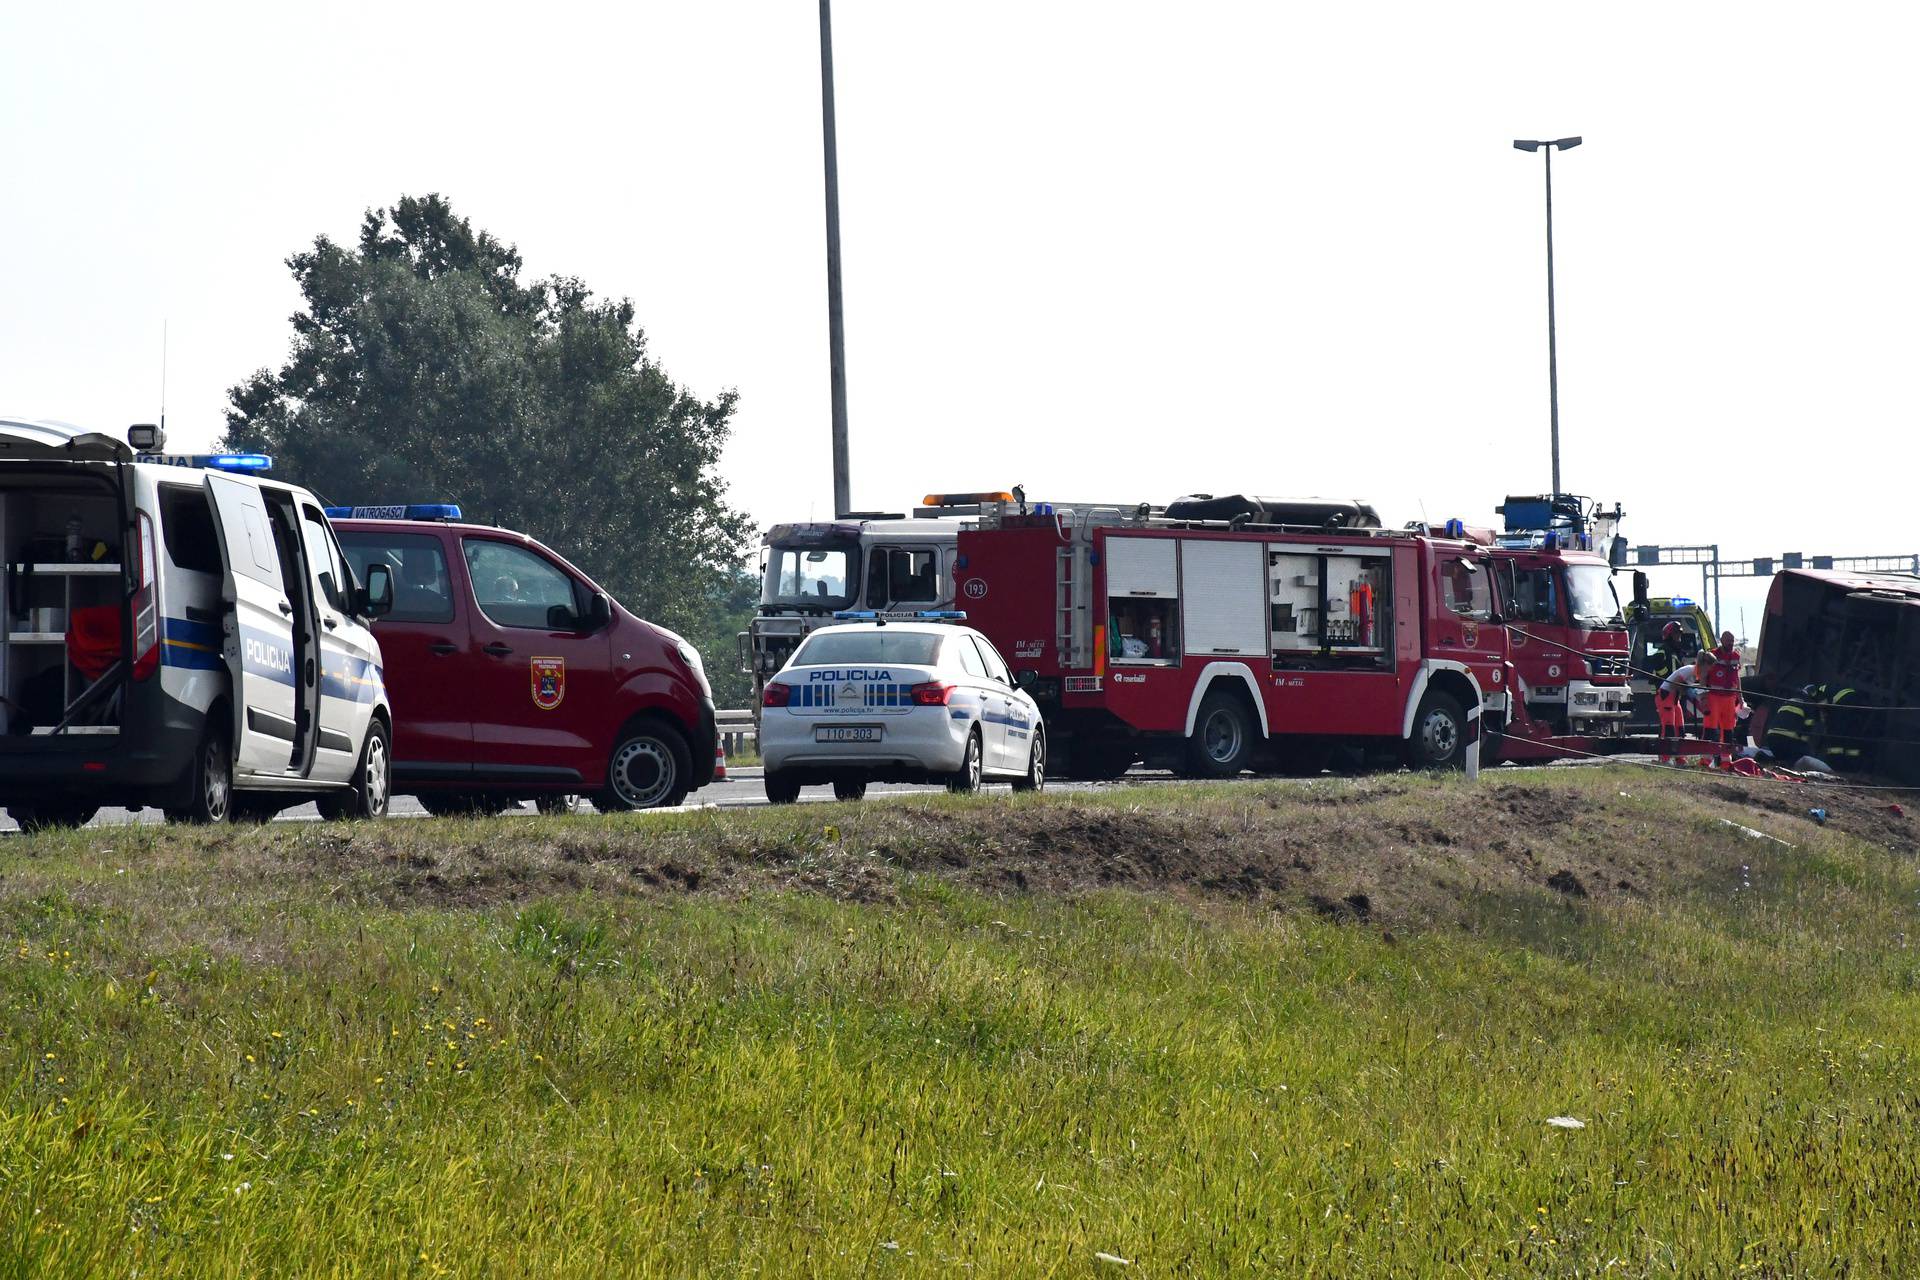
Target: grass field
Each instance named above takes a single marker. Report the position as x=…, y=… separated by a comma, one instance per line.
x=1209, y=1031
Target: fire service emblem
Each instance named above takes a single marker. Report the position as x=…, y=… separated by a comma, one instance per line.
x=549, y=682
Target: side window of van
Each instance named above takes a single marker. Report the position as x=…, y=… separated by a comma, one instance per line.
x=515, y=587
x=186, y=525
x=422, y=591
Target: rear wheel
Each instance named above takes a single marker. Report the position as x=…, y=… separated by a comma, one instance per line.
x=1222, y=741
x=966, y=779
x=209, y=797
x=52, y=817
x=850, y=789
x=649, y=769
x=366, y=795
x=1036, y=775
x=781, y=789
x=1439, y=738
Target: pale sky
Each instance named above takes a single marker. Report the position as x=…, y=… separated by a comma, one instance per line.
x=1110, y=251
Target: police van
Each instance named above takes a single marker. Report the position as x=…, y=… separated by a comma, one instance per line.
x=180, y=632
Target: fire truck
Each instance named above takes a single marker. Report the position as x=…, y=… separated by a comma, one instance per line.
x=1566, y=628
x=1217, y=635
x=889, y=563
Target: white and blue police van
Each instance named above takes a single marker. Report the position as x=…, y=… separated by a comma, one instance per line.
x=178, y=632
x=892, y=698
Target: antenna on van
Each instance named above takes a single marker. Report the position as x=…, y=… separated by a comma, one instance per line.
x=163, y=377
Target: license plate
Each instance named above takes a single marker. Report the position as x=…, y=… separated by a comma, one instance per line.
x=847, y=733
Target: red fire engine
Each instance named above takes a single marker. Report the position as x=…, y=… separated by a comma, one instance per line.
x=1214, y=645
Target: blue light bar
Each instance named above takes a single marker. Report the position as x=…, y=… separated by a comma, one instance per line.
x=1681, y=602
x=856, y=615
x=943, y=615
x=409, y=511
x=209, y=461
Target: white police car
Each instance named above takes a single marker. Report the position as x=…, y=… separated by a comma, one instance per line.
x=911, y=698
x=178, y=631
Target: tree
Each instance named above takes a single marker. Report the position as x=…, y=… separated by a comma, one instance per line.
x=424, y=370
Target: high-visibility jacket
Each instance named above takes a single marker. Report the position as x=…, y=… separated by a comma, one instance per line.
x=1723, y=670
x=1792, y=720
x=1844, y=721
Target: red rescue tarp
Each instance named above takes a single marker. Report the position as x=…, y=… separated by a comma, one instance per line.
x=93, y=639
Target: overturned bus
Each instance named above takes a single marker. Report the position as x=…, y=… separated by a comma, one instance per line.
x=1855, y=631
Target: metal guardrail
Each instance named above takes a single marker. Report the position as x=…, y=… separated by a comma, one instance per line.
x=736, y=729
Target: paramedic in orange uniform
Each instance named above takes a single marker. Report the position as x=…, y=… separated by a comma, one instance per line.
x=1723, y=689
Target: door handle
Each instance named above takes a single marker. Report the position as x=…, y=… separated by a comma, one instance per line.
x=498, y=649
x=329, y=623
x=442, y=647
x=286, y=609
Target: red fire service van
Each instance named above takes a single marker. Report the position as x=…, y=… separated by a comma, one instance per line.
x=513, y=676
x=1233, y=637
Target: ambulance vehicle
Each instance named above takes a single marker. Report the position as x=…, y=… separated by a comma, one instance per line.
x=180, y=632
x=516, y=677
x=872, y=699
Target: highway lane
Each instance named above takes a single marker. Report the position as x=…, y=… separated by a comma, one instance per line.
x=743, y=789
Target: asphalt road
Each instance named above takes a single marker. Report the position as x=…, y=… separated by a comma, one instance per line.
x=741, y=790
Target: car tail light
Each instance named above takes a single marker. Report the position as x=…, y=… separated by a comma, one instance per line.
x=146, y=608
x=775, y=694
x=934, y=694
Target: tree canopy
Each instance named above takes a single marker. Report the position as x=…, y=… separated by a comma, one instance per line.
x=424, y=369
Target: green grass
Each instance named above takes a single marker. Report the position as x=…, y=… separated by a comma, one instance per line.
x=206, y=1072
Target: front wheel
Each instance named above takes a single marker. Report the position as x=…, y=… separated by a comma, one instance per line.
x=52, y=817
x=966, y=779
x=650, y=769
x=1036, y=775
x=367, y=792
x=209, y=798
x=782, y=789
x=1439, y=738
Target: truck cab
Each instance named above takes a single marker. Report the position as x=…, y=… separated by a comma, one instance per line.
x=1568, y=637
x=517, y=677
x=888, y=564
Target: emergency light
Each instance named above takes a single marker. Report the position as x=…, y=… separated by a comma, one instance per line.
x=409, y=511
x=963, y=499
x=209, y=461
x=925, y=615
x=1681, y=602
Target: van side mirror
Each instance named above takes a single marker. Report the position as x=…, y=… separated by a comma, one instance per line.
x=599, y=612
x=376, y=598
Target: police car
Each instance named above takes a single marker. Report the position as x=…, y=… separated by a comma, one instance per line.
x=181, y=632
x=913, y=698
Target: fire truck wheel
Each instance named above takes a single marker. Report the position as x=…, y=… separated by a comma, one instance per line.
x=1036, y=775
x=1222, y=738
x=850, y=789
x=1439, y=738
x=781, y=789
x=972, y=768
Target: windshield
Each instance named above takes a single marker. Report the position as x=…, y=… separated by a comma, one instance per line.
x=1591, y=596
x=844, y=648
x=820, y=577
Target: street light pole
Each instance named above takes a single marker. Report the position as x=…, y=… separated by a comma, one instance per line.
x=1553, y=343
x=836, y=328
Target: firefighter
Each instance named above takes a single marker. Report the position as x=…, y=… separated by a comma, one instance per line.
x=1722, y=679
x=1841, y=708
x=1793, y=729
x=1671, y=654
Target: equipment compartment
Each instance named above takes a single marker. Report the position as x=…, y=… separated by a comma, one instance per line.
x=62, y=603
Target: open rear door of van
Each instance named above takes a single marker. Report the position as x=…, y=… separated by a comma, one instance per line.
x=259, y=640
